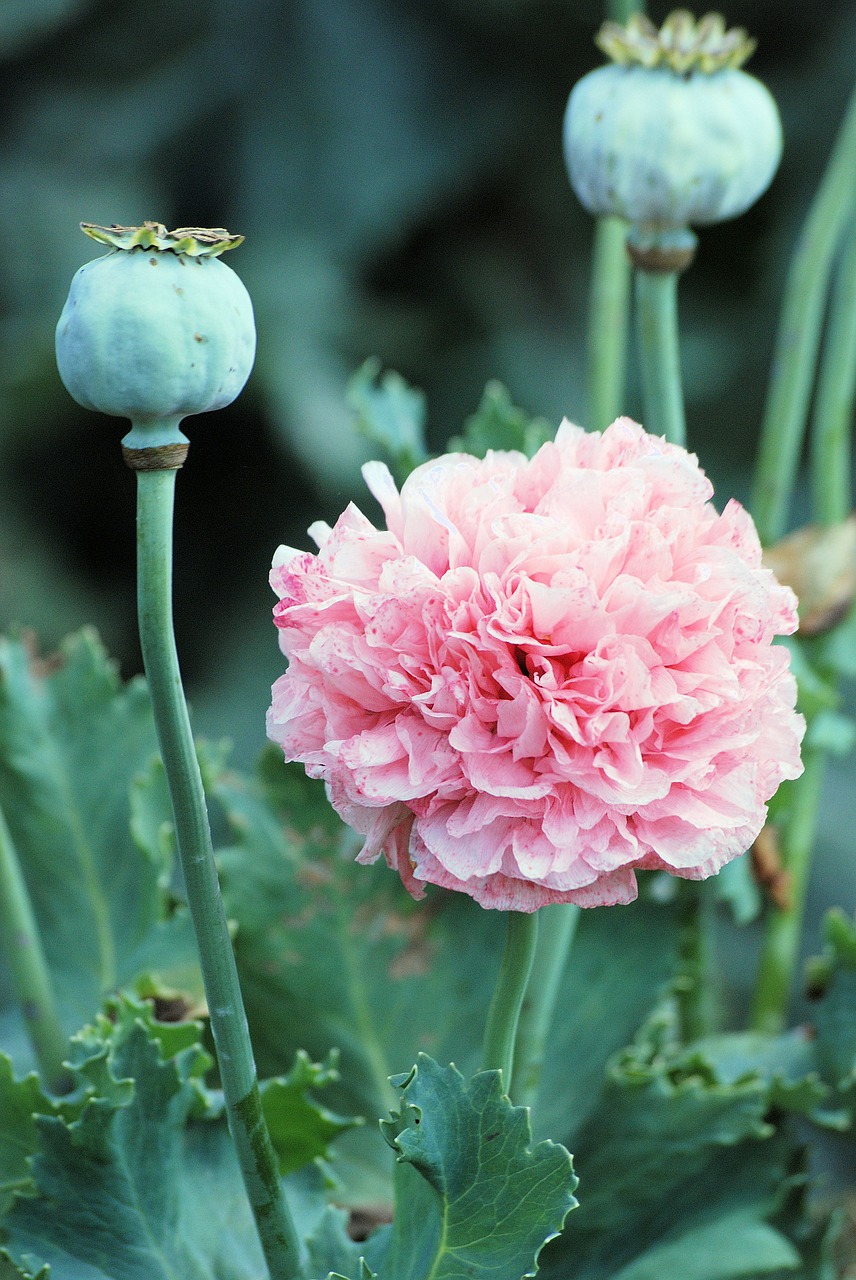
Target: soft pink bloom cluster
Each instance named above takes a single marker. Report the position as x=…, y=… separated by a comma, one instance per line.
x=546, y=674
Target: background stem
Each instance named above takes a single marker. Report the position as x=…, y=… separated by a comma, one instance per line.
x=798, y=338
x=780, y=953
x=657, y=321
x=829, y=229
x=833, y=411
x=258, y=1163
x=28, y=968
x=556, y=930
x=609, y=307
x=620, y=10
x=504, y=1013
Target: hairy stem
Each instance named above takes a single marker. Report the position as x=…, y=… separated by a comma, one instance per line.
x=556, y=930
x=504, y=1014
x=256, y=1157
x=28, y=967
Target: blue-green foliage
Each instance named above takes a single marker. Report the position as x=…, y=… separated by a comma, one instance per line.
x=687, y=1157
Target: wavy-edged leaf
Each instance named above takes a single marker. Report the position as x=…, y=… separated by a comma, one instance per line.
x=122, y=1183
x=332, y=954
x=300, y=1128
x=787, y=1063
x=391, y=414
x=71, y=740
x=108, y=1184
x=499, y=424
x=474, y=1196
x=116, y=1182
x=734, y=1245
x=11, y=1271
x=671, y=1155
x=835, y=1017
x=20, y=1102
x=330, y=1249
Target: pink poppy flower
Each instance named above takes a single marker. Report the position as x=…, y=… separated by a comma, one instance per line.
x=544, y=675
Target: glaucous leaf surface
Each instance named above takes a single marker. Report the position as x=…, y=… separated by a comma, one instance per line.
x=674, y=1144
x=107, y=1185
x=300, y=1129
x=680, y=1173
x=123, y=1174
x=391, y=415
x=832, y=978
x=332, y=954
x=11, y=1271
x=71, y=741
x=473, y=1195
x=498, y=424
x=20, y=1100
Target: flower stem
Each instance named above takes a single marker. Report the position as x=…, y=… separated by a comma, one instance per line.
x=798, y=338
x=504, y=1013
x=836, y=390
x=609, y=297
x=609, y=305
x=256, y=1157
x=829, y=229
x=780, y=953
x=28, y=968
x=556, y=930
x=621, y=10
x=695, y=993
x=657, y=320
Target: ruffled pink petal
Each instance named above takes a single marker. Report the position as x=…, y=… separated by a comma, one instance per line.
x=545, y=673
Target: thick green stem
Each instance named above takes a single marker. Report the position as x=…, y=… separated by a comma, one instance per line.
x=657, y=320
x=609, y=308
x=258, y=1163
x=780, y=953
x=28, y=967
x=556, y=930
x=504, y=1015
x=833, y=411
x=798, y=339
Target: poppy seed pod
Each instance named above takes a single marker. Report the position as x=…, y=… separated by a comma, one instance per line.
x=158, y=328
x=671, y=133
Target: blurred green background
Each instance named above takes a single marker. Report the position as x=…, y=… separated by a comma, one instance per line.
x=396, y=168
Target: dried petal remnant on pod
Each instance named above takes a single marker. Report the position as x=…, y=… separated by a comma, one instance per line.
x=544, y=675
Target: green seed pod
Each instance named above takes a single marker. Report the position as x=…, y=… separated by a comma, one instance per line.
x=159, y=328
x=671, y=133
